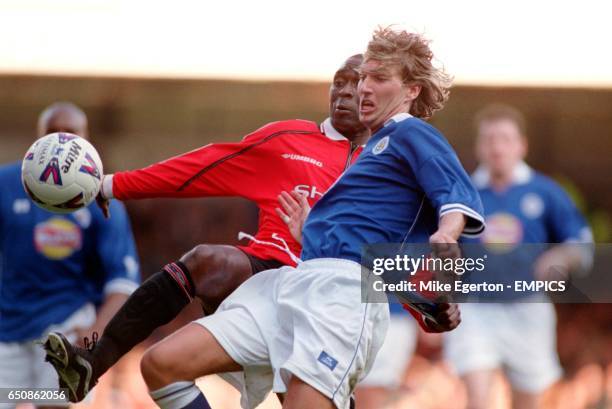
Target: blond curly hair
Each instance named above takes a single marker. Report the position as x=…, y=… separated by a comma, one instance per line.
x=412, y=54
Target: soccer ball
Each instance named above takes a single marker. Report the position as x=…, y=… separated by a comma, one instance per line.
x=61, y=172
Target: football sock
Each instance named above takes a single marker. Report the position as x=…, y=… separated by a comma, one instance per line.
x=155, y=303
x=180, y=395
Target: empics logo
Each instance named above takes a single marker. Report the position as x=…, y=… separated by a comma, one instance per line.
x=307, y=159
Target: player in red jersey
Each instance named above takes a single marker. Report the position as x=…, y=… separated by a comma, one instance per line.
x=294, y=155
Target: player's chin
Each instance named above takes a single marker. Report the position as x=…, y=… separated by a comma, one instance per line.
x=346, y=123
x=367, y=119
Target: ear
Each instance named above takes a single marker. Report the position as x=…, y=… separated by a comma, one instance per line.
x=524, y=146
x=478, y=149
x=412, y=91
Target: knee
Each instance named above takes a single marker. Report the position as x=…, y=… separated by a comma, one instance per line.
x=156, y=368
x=206, y=267
x=201, y=258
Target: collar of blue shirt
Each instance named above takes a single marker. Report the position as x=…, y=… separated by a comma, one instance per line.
x=520, y=175
x=398, y=118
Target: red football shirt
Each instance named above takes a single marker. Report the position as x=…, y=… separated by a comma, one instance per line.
x=281, y=156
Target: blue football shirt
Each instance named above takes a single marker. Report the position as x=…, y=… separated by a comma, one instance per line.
x=51, y=264
x=533, y=209
x=406, y=178
x=530, y=213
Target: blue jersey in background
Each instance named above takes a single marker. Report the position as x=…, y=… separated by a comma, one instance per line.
x=51, y=264
x=530, y=213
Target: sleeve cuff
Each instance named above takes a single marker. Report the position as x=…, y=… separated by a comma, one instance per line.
x=121, y=286
x=107, y=187
x=586, y=246
x=475, y=224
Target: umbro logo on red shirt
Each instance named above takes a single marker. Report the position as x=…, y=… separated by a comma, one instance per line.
x=303, y=158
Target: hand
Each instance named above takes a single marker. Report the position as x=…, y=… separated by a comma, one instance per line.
x=552, y=265
x=102, y=201
x=448, y=317
x=104, y=205
x=444, y=245
x=294, y=213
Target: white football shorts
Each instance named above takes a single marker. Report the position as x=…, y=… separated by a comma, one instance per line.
x=519, y=338
x=308, y=322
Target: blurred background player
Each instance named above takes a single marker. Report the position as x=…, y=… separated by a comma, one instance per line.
x=521, y=206
x=69, y=273
x=385, y=379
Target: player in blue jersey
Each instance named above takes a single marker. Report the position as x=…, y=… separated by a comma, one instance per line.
x=381, y=385
x=304, y=331
x=67, y=273
x=521, y=206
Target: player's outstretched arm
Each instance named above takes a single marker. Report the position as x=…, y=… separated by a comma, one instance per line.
x=219, y=169
x=295, y=210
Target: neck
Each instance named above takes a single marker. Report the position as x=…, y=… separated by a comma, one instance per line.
x=359, y=138
x=374, y=130
x=500, y=180
x=402, y=109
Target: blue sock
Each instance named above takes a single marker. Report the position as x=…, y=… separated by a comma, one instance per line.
x=199, y=402
x=180, y=395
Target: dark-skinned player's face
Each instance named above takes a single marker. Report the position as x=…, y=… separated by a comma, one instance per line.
x=343, y=98
x=63, y=121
